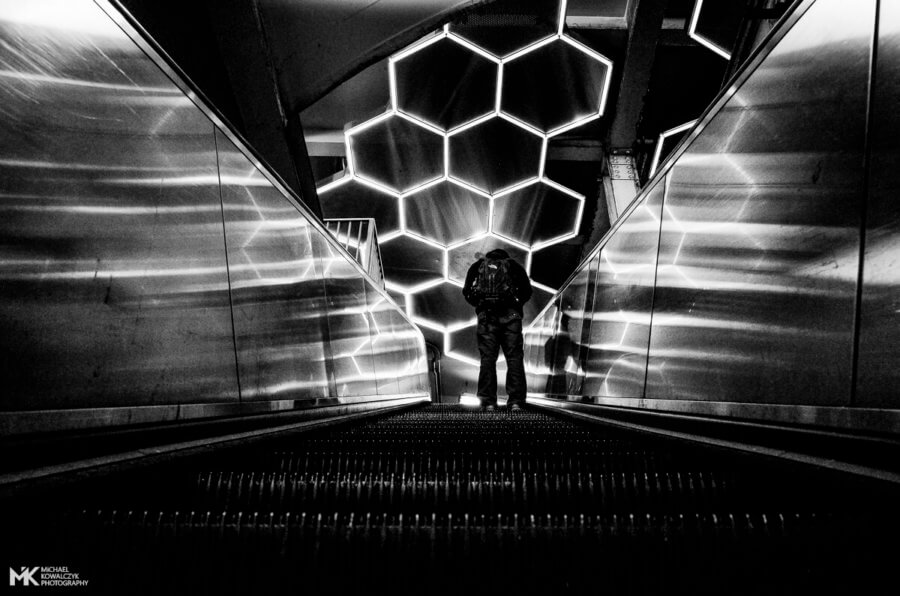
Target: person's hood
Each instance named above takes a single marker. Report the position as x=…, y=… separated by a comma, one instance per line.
x=497, y=253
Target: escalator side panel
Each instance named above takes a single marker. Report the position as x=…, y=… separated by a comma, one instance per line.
x=759, y=252
x=277, y=294
x=113, y=285
x=879, y=360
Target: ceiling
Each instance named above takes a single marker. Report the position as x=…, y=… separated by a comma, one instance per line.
x=306, y=80
x=527, y=176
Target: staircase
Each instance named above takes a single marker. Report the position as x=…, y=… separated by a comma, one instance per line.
x=449, y=500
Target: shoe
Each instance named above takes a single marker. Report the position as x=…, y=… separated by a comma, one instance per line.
x=488, y=408
x=514, y=408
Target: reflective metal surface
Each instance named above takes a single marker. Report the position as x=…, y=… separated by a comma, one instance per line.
x=759, y=249
x=564, y=351
x=150, y=270
x=750, y=310
x=540, y=350
x=348, y=324
x=879, y=359
x=277, y=292
x=386, y=351
x=410, y=365
x=620, y=315
x=113, y=286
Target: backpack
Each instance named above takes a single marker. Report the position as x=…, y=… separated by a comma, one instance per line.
x=494, y=283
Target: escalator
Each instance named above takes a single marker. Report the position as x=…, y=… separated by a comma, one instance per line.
x=450, y=500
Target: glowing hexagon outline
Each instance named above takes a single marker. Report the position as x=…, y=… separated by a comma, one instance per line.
x=451, y=329
x=562, y=37
x=466, y=184
x=560, y=25
x=346, y=178
x=407, y=291
x=657, y=153
x=428, y=41
x=579, y=198
x=707, y=43
x=455, y=182
x=378, y=184
x=350, y=172
x=520, y=245
x=433, y=325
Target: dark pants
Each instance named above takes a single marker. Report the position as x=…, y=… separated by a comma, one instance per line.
x=496, y=331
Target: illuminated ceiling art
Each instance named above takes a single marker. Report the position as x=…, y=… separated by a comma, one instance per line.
x=459, y=170
x=667, y=141
x=700, y=38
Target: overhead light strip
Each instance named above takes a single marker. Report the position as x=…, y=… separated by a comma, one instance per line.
x=707, y=43
x=352, y=174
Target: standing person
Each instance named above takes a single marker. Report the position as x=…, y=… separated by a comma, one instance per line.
x=497, y=287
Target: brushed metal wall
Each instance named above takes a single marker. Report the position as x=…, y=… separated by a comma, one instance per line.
x=734, y=278
x=276, y=288
x=879, y=359
x=148, y=259
x=619, y=336
x=113, y=281
x=759, y=251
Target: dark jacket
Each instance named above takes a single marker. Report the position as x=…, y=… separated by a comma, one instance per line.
x=519, y=279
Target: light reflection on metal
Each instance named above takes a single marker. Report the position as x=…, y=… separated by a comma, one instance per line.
x=163, y=285
x=692, y=33
x=63, y=16
x=396, y=110
x=758, y=244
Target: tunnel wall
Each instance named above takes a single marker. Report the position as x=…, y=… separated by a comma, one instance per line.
x=151, y=268
x=756, y=276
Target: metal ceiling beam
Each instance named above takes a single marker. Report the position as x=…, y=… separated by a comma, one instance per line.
x=244, y=50
x=326, y=143
x=646, y=25
x=576, y=150
x=605, y=22
x=675, y=38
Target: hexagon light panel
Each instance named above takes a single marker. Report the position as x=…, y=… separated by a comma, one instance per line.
x=463, y=89
x=455, y=166
x=447, y=213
